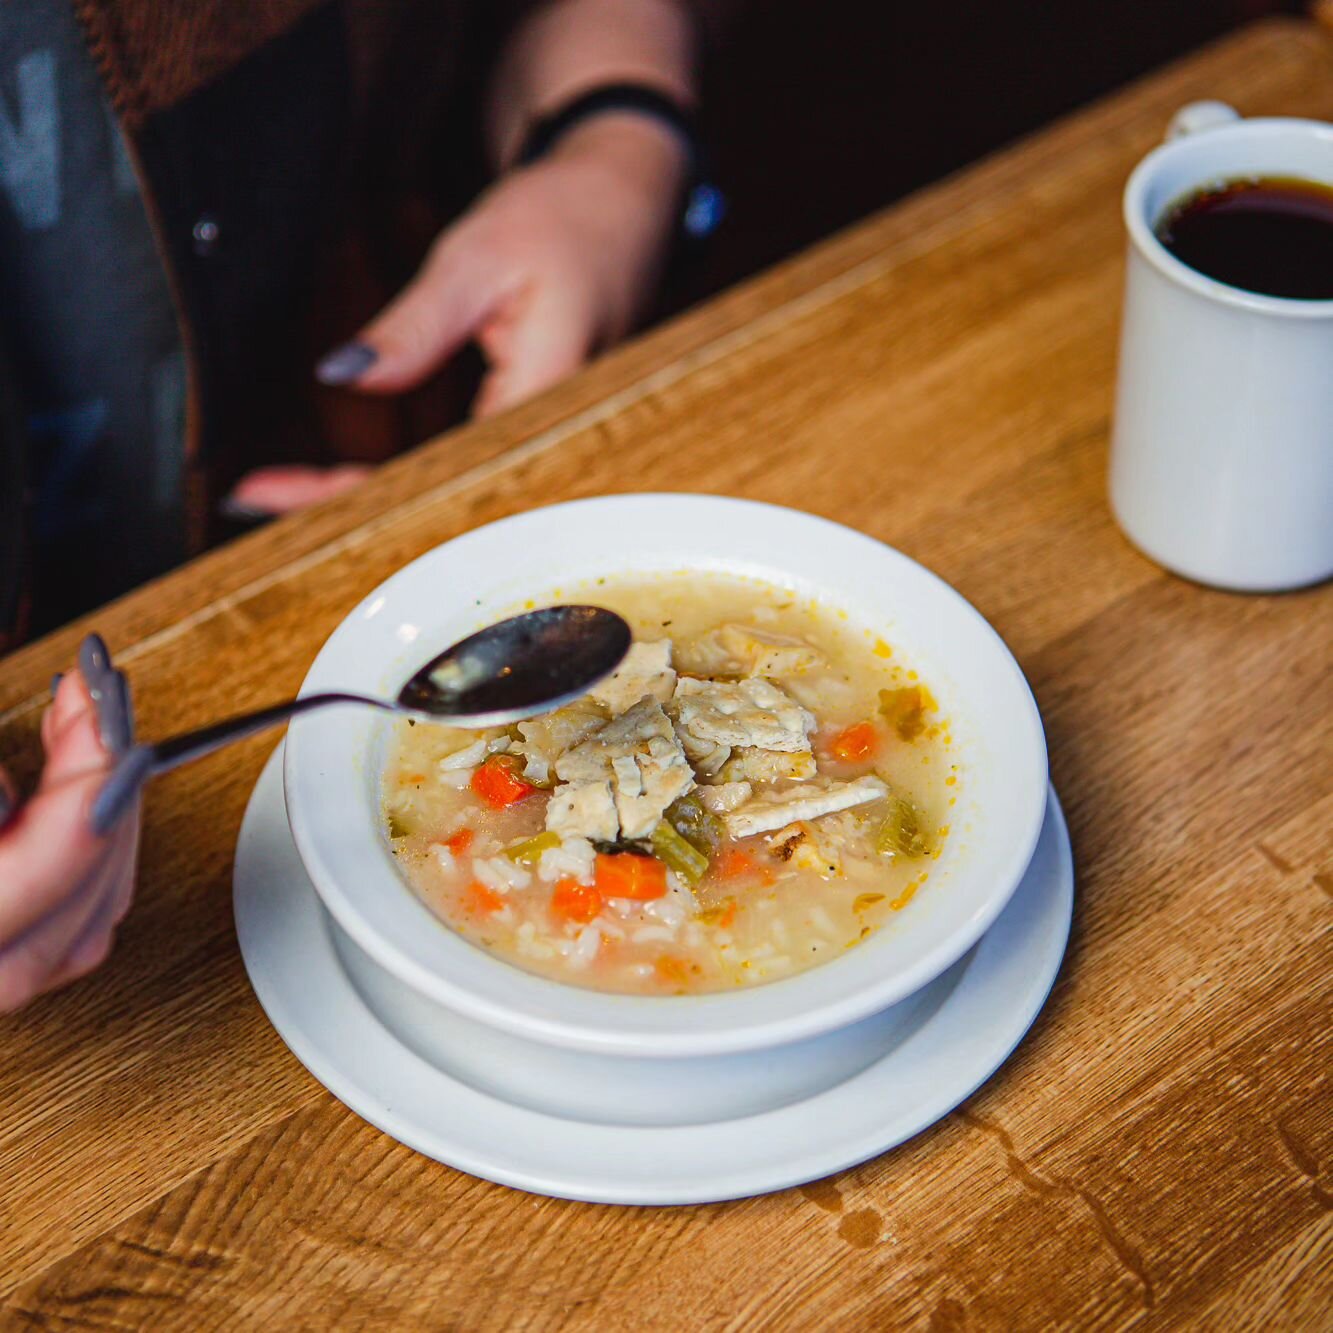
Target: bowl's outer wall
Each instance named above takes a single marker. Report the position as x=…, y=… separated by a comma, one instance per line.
x=333, y=762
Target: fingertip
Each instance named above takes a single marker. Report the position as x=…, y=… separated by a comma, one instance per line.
x=75, y=745
x=87, y=956
x=282, y=489
x=489, y=399
x=454, y=292
x=70, y=701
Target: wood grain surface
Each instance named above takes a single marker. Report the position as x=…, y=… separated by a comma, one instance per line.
x=1159, y=1151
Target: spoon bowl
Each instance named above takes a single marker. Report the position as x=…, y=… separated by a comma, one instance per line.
x=528, y=664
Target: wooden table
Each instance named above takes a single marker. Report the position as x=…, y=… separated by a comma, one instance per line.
x=1159, y=1149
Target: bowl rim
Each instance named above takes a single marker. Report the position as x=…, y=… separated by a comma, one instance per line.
x=716, y=1023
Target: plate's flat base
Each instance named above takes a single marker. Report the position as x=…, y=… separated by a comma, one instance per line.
x=999, y=988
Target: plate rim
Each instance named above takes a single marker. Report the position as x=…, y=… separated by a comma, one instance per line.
x=263, y=832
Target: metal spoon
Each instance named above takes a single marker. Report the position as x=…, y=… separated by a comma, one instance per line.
x=523, y=666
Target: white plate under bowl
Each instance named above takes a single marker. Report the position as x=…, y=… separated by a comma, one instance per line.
x=976, y=1014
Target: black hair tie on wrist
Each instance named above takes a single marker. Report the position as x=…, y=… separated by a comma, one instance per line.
x=704, y=202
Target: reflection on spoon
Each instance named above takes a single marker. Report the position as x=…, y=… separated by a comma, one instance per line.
x=520, y=667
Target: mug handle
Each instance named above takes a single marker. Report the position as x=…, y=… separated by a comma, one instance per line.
x=1196, y=117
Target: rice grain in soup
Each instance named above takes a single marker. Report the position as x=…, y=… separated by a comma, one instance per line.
x=756, y=790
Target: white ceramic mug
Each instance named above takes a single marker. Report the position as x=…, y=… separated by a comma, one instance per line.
x=1222, y=449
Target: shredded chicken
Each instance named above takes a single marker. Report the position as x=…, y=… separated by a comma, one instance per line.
x=725, y=796
x=752, y=713
x=544, y=739
x=776, y=810
x=752, y=765
x=760, y=652
x=646, y=670
x=640, y=762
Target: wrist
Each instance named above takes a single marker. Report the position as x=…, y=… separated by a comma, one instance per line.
x=639, y=151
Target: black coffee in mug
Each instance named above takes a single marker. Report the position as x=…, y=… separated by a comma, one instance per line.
x=1272, y=234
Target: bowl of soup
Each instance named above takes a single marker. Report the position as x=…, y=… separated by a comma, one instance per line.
x=734, y=873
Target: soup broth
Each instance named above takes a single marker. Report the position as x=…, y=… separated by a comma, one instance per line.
x=757, y=789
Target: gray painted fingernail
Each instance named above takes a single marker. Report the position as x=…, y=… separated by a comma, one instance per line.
x=240, y=512
x=114, y=720
x=6, y=807
x=55, y=682
x=126, y=706
x=110, y=694
x=120, y=789
x=94, y=659
x=346, y=363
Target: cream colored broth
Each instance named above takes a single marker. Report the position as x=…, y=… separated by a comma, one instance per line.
x=770, y=903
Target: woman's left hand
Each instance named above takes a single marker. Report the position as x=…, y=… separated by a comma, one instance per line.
x=555, y=260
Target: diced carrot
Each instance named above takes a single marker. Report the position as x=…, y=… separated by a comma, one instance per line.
x=575, y=902
x=482, y=900
x=733, y=864
x=415, y=779
x=739, y=864
x=673, y=971
x=855, y=743
x=628, y=875
x=498, y=785
x=728, y=917
x=459, y=842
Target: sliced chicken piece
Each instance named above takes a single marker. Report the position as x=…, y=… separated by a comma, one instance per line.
x=489, y=742
x=797, y=845
x=761, y=652
x=545, y=739
x=583, y=810
x=823, y=690
x=708, y=757
x=641, y=760
x=776, y=810
x=751, y=765
x=752, y=713
x=646, y=670
x=725, y=796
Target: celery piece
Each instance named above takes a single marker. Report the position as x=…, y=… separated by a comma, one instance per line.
x=398, y=827
x=905, y=709
x=698, y=825
x=528, y=852
x=901, y=830
x=678, y=854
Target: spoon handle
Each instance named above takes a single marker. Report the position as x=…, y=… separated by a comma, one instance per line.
x=141, y=762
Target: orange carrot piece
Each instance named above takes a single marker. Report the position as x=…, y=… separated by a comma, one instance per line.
x=739, y=864
x=855, y=743
x=459, y=842
x=573, y=901
x=498, y=785
x=733, y=864
x=628, y=875
x=483, y=901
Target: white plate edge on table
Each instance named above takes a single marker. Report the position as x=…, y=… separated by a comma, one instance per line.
x=996, y=994
x=332, y=779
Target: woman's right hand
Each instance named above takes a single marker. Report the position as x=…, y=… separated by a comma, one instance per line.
x=64, y=889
